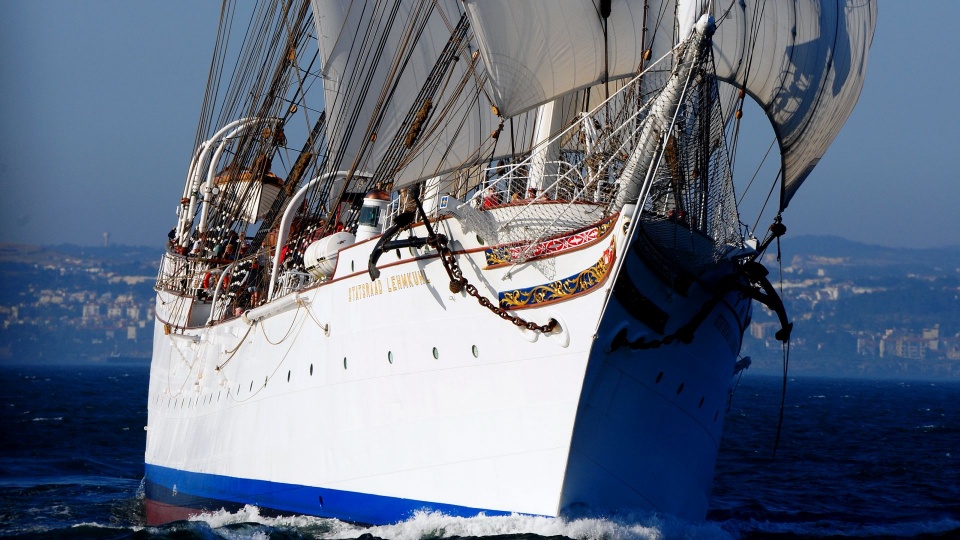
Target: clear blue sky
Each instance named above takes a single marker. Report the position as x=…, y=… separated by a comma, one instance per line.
x=99, y=103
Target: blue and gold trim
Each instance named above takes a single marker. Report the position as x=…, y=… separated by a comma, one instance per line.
x=563, y=289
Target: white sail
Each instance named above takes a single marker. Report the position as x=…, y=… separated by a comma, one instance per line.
x=366, y=95
x=536, y=50
x=805, y=66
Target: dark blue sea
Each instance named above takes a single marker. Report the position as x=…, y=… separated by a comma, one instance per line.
x=856, y=459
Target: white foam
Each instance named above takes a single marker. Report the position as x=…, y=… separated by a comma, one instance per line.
x=438, y=525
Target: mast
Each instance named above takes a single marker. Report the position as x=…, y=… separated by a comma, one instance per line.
x=546, y=150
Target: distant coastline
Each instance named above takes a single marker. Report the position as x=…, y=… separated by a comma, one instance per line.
x=859, y=310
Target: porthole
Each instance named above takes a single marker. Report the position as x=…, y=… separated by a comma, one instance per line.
x=351, y=266
x=311, y=370
x=390, y=356
x=680, y=389
x=265, y=379
x=659, y=377
x=288, y=375
x=480, y=240
x=475, y=351
x=436, y=354
x=344, y=362
x=251, y=386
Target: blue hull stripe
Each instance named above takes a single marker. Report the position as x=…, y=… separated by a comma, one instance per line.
x=213, y=492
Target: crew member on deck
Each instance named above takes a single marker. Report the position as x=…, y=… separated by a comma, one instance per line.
x=491, y=199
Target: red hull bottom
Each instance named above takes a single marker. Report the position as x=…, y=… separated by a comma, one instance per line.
x=159, y=513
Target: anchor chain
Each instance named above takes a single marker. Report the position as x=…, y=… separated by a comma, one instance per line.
x=459, y=283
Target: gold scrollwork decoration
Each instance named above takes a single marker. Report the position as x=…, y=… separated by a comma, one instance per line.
x=562, y=289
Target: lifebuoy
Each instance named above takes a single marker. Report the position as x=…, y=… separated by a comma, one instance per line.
x=209, y=279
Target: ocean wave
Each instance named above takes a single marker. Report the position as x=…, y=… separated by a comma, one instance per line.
x=933, y=529
x=433, y=525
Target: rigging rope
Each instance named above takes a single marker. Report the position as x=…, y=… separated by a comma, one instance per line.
x=756, y=172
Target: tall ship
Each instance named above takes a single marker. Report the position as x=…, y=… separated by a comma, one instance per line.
x=477, y=256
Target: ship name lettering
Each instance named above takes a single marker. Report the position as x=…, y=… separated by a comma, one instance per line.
x=394, y=283
x=407, y=280
x=365, y=290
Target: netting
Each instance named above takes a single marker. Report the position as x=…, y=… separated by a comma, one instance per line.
x=570, y=181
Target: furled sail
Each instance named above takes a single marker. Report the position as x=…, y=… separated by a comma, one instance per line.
x=804, y=61
x=376, y=57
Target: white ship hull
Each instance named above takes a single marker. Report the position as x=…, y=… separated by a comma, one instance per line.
x=366, y=401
